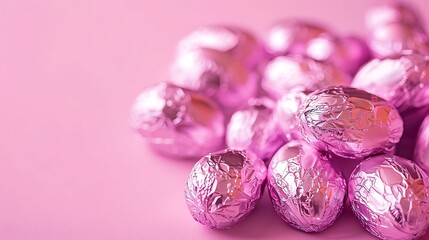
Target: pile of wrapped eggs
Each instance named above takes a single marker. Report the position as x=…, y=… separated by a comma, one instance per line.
x=289, y=112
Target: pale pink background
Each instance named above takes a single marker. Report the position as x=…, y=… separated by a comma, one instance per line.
x=70, y=166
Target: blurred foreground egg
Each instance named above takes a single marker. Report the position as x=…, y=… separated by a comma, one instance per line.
x=224, y=187
x=178, y=122
x=349, y=122
x=390, y=196
x=304, y=188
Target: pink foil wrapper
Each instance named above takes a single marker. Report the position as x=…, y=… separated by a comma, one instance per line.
x=391, y=13
x=255, y=129
x=421, y=152
x=349, y=122
x=397, y=37
x=286, y=111
x=293, y=37
x=401, y=80
x=178, y=122
x=215, y=74
x=390, y=196
x=304, y=188
x=317, y=42
x=223, y=187
x=286, y=73
x=350, y=54
x=230, y=40
x=413, y=119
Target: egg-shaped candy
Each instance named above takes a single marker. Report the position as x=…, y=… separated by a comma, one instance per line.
x=390, y=196
x=285, y=113
x=394, y=38
x=230, y=40
x=350, y=54
x=223, y=187
x=286, y=73
x=393, y=12
x=349, y=122
x=255, y=129
x=306, y=191
x=421, y=151
x=178, y=122
x=221, y=77
x=401, y=80
x=294, y=37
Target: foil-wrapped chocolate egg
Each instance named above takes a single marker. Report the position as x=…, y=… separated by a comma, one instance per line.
x=286, y=73
x=215, y=74
x=255, y=129
x=231, y=40
x=224, y=187
x=390, y=196
x=350, y=54
x=349, y=122
x=401, y=80
x=391, y=13
x=394, y=38
x=317, y=42
x=306, y=191
x=293, y=37
x=285, y=113
x=178, y=122
x=421, y=151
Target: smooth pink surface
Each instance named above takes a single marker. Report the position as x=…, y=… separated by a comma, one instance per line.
x=70, y=165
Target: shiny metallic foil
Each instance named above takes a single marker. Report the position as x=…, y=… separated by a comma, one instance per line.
x=294, y=37
x=178, y=122
x=223, y=187
x=230, y=40
x=421, y=151
x=393, y=12
x=401, y=79
x=390, y=196
x=223, y=78
x=317, y=42
x=349, y=122
x=255, y=129
x=304, y=188
x=394, y=28
x=289, y=73
x=286, y=111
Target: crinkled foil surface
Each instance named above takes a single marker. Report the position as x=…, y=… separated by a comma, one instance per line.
x=178, y=122
x=349, y=122
x=305, y=189
x=223, y=187
x=390, y=196
x=401, y=80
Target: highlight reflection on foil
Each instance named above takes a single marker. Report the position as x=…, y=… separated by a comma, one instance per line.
x=349, y=122
x=390, y=196
x=223, y=187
